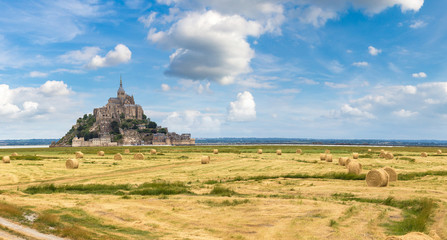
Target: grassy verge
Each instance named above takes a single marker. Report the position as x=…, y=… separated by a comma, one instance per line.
x=152, y=188
x=416, y=212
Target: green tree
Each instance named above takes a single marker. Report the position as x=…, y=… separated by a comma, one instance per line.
x=152, y=125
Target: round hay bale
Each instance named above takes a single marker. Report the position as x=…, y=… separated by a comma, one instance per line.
x=299, y=151
x=424, y=154
x=278, y=152
x=411, y=236
x=382, y=154
x=72, y=164
x=355, y=155
x=216, y=151
x=322, y=156
x=14, y=154
x=127, y=151
x=79, y=155
x=439, y=151
x=153, y=151
x=6, y=159
x=342, y=161
x=391, y=173
x=347, y=162
x=354, y=168
x=118, y=156
x=205, y=159
x=369, y=150
x=100, y=153
x=138, y=156
x=328, y=157
x=377, y=178
x=259, y=151
x=389, y=156
x=327, y=151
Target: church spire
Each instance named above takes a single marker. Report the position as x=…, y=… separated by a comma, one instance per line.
x=121, y=81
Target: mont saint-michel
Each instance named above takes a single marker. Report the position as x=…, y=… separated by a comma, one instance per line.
x=120, y=122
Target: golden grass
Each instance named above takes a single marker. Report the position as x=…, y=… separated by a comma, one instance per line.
x=264, y=208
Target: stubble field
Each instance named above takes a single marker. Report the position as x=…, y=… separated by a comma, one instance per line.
x=240, y=194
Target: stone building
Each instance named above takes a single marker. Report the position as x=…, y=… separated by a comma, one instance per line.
x=103, y=141
x=121, y=106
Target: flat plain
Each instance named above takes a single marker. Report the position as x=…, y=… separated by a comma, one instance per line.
x=240, y=194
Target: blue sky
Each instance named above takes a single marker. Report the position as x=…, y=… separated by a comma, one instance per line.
x=253, y=68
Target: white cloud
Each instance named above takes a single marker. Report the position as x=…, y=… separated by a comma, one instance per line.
x=147, y=20
x=256, y=82
x=409, y=89
x=404, y=113
x=360, y=64
x=54, y=88
x=335, y=66
x=336, y=85
x=80, y=56
x=418, y=24
x=419, y=75
x=121, y=54
x=307, y=81
x=243, y=109
x=208, y=46
x=191, y=121
x=37, y=74
x=25, y=102
x=355, y=112
x=165, y=87
x=318, y=12
x=374, y=51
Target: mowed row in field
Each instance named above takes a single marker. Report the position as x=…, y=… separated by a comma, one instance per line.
x=240, y=194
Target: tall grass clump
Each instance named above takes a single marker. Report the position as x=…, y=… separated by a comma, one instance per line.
x=222, y=191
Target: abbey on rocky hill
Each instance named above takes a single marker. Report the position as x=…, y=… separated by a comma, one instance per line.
x=120, y=122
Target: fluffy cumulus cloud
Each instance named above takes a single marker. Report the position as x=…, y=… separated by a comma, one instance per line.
x=374, y=51
x=27, y=102
x=121, y=54
x=165, y=87
x=192, y=121
x=243, y=109
x=419, y=75
x=209, y=46
x=426, y=100
x=210, y=39
x=318, y=12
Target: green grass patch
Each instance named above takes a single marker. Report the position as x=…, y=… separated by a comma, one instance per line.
x=415, y=175
x=225, y=203
x=152, y=188
x=26, y=157
x=222, y=191
x=330, y=175
x=416, y=212
x=407, y=159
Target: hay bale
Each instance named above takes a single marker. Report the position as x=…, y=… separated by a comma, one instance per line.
x=369, y=150
x=278, y=152
x=391, y=173
x=327, y=151
x=14, y=154
x=138, y=156
x=354, y=167
x=377, y=178
x=355, y=155
x=342, y=161
x=382, y=154
x=72, y=163
x=439, y=151
x=411, y=236
x=153, y=151
x=216, y=151
x=348, y=161
x=259, y=151
x=79, y=155
x=127, y=151
x=424, y=154
x=299, y=151
x=205, y=159
x=118, y=156
x=328, y=157
x=389, y=156
x=100, y=153
x=322, y=156
x=6, y=159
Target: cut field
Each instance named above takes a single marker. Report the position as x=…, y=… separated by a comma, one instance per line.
x=240, y=194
